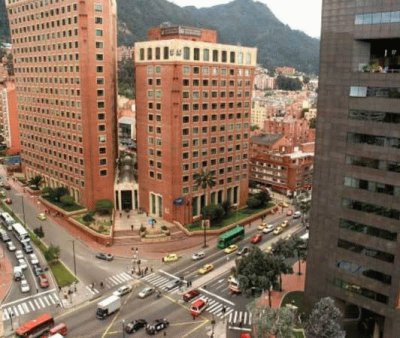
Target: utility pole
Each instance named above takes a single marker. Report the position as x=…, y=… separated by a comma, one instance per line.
x=23, y=209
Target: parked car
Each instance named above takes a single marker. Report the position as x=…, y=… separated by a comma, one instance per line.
x=256, y=239
x=135, y=325
x=25, y=286
x=170, y=258
x=27, y=247
x=19, y=254
x=4, y=236
x=269, y=228
x=42, y=216
x=262, y=226
x=206, y=268
x=243, y=251
x=11, y=246
x=104, y=256
x=284, y=224
x=188, y=296
x=231, y=248
x=198, y=255
x=22, y=263
x=157, y=326
x=147, y=291
x=37, y=269
x=8, y=200
x=43, y=281
x=123, y=290
x=34, y=260
x=297, y=214
x=172, y=284
x=278, y=230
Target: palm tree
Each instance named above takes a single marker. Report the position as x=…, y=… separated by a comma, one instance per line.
x=204, y=180
x=36, y=181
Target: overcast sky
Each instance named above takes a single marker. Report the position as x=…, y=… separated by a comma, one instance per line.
x=304, y=15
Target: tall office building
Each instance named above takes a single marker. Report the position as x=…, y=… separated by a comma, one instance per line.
x=65, y=69
x=354, y=250
x=193, y=101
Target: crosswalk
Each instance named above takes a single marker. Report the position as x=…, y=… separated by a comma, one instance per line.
x=30, y=304
x=159, y=281
x=110, y=282
x=240, y=318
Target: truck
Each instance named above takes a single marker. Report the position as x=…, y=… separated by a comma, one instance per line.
x=108, y=306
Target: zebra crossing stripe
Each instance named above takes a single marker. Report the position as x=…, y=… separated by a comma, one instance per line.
x=41, y=302
x=215, y=308
x=125, y=276
x=51, y=299
x=230, y=317
x=109, y=284
x=37, y=303
x=47, y=302
x=54, y=299
x=245, y=317
x=26, y=309
x=31, y=305
x=158, y=279
x=15, y=311
x=21, y=310
x=114, y=280
x=149, y=276
x=5, y=315
x=250, y=318
x=120, y=278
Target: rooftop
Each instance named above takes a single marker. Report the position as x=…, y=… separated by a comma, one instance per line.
x=266, y=139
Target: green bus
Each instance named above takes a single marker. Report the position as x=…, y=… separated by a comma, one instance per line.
x=231, y=236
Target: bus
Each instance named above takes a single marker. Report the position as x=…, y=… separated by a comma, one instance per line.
x=36, y=327
x=20, y=232
x=231, y=236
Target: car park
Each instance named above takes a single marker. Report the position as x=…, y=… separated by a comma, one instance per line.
x=170, y=258
x=11, y=246
x=206, y=268
x=256, y=239
x=198, y=255
x=188, y=296
x=147, y=291
x=135, y=325
x=25, y=286
x=22, y=263
x=43, y=281
x=19, y=254
x=37, y=270
x=278, y=230
x=104, y=256
x=269, y=228
x=231, y=248
x=157, y=326
x=42, y=216
x=297, y=214
x=172, y=284
x=123, y=290
x=34, y=260
x=243, y=251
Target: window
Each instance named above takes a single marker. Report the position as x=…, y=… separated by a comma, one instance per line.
x=99, y=57
x=98, y=8
x=196, y=54
x=232, y=57
x=103, y=172
x=365, y=251
x=367, y=229
x=215, y=56
x=186, y=70
x=103, y=161
x=141, y=54
x=158, y=53
x=166, y=53
x=186, y=53
x=98, y=20
x=371, y=208
x=224, y=56
x=240, y=58
x=99, y=32
x=357, y=289
x=99, y=44
x=206, y=55
x=149, y=53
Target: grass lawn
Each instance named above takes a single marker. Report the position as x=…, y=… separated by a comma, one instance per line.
x=104, y=226
x=232, y=217
x=62, y=274
x=68, y=208
x=295, y=298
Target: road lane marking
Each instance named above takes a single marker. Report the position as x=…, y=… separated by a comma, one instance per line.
x=31, y=305
x=26, y=298
x=196, y=328
x=216, y=296
x=25, y=307
x=37, y=304
x=21, y=310
x=41, y=302
x=45, y=299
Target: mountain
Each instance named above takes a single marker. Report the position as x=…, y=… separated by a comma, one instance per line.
x=246, y=22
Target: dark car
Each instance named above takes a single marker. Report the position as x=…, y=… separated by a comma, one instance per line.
x=188, y=296
x=135, y=325
x=172, y=284
x=157, y=326
x=37, y=269
x=104, y=256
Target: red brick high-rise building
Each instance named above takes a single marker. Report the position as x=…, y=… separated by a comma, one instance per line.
x=193, y=101
x=65, y=69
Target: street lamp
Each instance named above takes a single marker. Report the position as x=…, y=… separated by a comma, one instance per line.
x=123, y=328
x=205, y=233
x=73, y=252
x=23, y=207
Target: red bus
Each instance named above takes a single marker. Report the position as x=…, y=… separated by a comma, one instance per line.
x=35, y=327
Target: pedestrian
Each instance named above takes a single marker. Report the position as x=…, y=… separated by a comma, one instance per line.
x=194, y=317
x=165, y=333
x=151, y=269
x=131, y=227
x=101, y=285
x=120, y=214
x=145, y=270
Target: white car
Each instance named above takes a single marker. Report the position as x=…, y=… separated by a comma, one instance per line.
x=269, y=228
x=198, y=255
x=123, y=290
x=22, y=263
x=147, y=291
x=11, y=246
x=297, y=214
x=34, y=260
x=19, y=254
x=25, y=286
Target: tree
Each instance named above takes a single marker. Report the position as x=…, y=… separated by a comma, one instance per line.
x=57, y=193
x=282, y=250
x=52, y=253
x=67, y=200
x=104, y=206
x=253, y=202
x=324, y=320
x=204, y=180
x=302, y=201
x=264, y=197
x=213, y=212
x=36, y=181
x=227, y=206
x=288, y=83
x=126, y=78
x=269, y=322
x=299, y=246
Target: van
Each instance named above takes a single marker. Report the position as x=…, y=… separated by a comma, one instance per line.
x=18, y=274
x=297, y=214
x=7, y=220
x=197, y=307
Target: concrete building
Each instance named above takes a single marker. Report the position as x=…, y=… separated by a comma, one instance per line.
x=354, y=248
x=65, y=70
x=193, y=101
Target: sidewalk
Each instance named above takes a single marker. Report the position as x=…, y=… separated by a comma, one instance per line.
x=5, y=283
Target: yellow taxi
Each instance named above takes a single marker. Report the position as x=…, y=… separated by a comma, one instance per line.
x=284, y=224
x=262, y=226
x=268, y=249
x=231, y=248
x=278, y=230
x=170, y=258
x=206, y=268
x=42, y=216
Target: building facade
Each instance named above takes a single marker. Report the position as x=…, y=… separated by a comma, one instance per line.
x=354, y=250
x=193, y=101
x=65, y=69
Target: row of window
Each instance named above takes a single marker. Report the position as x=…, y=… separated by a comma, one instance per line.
x=371, y=208
x=373, y=163
x=38, y=4
x=214, y=117
x=367, y=229
x=377, y=18
x=381, y=141
x=41, y=27
x=51, y=59
x=48, y=46
x=197, y=165
x=384, y=92
x=374, y=116
x=214, y=106
x=357, y=289
x=43, y=80
x=357, y=269
x=195, y=54
x=53, y=69
x=205, y=94
x=46, y=90
x=377, y=187
x=214, y=83
x=365, y=251
x=205, y=70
